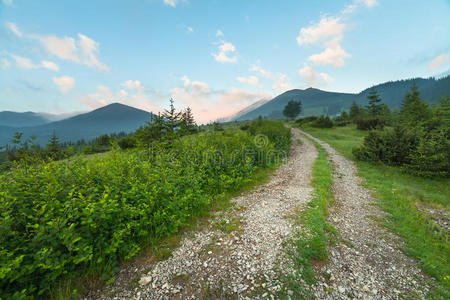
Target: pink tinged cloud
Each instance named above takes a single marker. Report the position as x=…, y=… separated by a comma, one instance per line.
x=209, y=105
x=313, y=78
x=65, y=83
x=439, y=61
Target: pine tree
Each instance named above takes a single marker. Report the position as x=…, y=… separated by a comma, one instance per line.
x=187, y=121
x=54, y=149
x=413, y=110
x=374, y=106
x=172, y=117
x=355, y=110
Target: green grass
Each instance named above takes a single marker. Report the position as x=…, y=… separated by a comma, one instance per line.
x=310, y=243
x=400, y=195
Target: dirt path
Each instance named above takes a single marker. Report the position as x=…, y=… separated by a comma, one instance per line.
x=234, y=256
x=369, y=263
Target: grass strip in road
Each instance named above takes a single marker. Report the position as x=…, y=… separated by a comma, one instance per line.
x=311, y=241
x=402, y=195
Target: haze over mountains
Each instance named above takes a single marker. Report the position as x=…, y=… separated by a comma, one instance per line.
x=112, y=118
x=116, y=117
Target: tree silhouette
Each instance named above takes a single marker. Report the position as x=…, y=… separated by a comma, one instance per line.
x=292, y=109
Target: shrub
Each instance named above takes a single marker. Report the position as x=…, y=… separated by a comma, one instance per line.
x=322, y=122
x=305, y=120
x=61, y=219
x=127, y=142
x=432, y=155
x=391, y=146
x=370, y=123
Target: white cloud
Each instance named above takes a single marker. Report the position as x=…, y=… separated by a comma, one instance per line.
x=89, y=49
x=314, y=79
x=173, y=3
x=65, y=83
x=226, y=49
x=5, y=63
x=23, y=62
x=368, y=3
x=328, y=28
x=8, y=2
x=13, y=27
x=280, y=80
x=219, y=32
x=133, y=85
x=83, y=51
x=189, y=29
x=252, y=80
x=329, y=32
x=332, y=55
x=63, y=48
x=26, y=63
x=439, y=61
x=50, y=65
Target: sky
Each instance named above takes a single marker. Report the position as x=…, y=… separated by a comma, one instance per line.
x=215, y=56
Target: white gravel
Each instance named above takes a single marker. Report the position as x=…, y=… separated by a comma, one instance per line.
x=369, y=263
x=237, y=264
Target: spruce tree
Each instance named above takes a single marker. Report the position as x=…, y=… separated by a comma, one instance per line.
x=374, y=106
x=413, y=110
x=354, y=110
x=187, y=121
x=172, y=117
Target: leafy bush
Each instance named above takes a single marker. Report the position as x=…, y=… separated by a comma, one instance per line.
x=322, y=122
x=62, y=219
x=127, y=142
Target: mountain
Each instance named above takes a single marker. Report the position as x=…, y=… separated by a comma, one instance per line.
x=242, y=112
x=112, y=118
x=27, y=119
x=317, y=102
x=313, y=101
x=16, y=119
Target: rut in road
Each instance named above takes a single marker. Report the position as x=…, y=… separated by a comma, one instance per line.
x=236, y=264
x=369, y=263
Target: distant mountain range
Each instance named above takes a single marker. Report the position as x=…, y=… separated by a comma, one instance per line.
x=116, y=117
x=112, y=118
x=317, y=102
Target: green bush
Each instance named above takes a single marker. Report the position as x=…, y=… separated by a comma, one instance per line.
x=322, y=122
x=391, y=146
x=62, y=219
x=431, y=157
x=370, y=123
x=305, y=120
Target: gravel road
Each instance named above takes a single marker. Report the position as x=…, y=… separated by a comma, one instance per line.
x=236, y=254
x=230, y=263
x=368, y=263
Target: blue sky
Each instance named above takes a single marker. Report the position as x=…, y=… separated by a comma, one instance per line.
x=216, y=56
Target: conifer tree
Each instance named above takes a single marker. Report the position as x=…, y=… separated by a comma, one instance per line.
x=374, y=108
x=355, y=110
x=413, y=109
x=172, y=117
